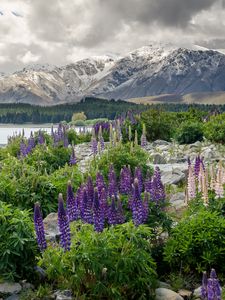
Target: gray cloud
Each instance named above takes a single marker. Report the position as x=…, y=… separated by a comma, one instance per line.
x=90, y=22
x=57, y=31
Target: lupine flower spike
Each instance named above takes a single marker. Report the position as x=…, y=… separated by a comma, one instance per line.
x=213, y=287
x=39, y=227
x=64, y=227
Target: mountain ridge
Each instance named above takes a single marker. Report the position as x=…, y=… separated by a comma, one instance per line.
x=148, y=71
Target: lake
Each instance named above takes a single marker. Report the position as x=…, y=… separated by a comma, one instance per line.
x=7, y=130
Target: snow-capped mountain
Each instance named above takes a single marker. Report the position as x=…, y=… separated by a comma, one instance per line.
x=49, y=85
x=151, y=70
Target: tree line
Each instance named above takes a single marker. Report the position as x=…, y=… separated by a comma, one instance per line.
x=93, y=108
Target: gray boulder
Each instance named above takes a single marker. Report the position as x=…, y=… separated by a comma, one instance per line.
x=195, y=145
x=197, y=292
x=158, y=159
x=178, y=200
x=63, y=295
x=160, y=143
x=51, y=227
x=13, y=297
x=10, y=288
x=166, y=294
x=171, y=177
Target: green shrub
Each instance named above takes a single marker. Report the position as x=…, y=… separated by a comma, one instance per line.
x=22, y=185
x=159, y=125
x=114, y=264
x=197, y=243
x=48, y=159
x=214, y=130
x=189, y=132
x=75, y=138
x=94, y=121
x=79, y=123
x=17, y=243
x=120, y=156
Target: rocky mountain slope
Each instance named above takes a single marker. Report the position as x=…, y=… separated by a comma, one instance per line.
x=151, y=70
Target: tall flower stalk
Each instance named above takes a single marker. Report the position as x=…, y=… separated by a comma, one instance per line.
x=63, y=224
x=39, y=227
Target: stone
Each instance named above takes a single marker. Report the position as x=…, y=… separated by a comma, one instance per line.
x=197, y=292
x=158, y=158
x=10, y=288
x=171, y=178
x=178, y=200
x=208, y=154
x=63, y=295
x=185, y=293
x=51, y=227
x=26, y=285
x=166, y=294
x=160, y=143
x=13, y=297
x=195, y=145
x=164, y=148
x=175, y=160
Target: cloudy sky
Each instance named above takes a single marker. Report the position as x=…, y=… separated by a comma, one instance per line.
x=62, y=31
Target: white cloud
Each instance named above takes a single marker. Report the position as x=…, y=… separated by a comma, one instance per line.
x=28, y=57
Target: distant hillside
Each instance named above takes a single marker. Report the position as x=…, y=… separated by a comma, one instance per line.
x=217, y=98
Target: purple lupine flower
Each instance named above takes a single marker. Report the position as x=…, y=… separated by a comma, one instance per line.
x=202, y=163
x=100, y=182
x=137, y=205
x=31, y=143
x=120, y=213
x=65, y=141
x=79, y=199
x=145, y=207
x=98, y=213
x=157, y=191
x=213, y=287
x=39, y=227
x=138, y=175
x=60, y=131
x=64, y=227
x=125, y=180
x=143, y=140
x=73, y=159
x=90, y=190
x=23, y=149
x=71, y=204
x=103, y=201
x=112, y=213
x=197, y=165
x=94, y=146
x=86, y=211
x=41, y=139
x=112, y=189
x=135, y=195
